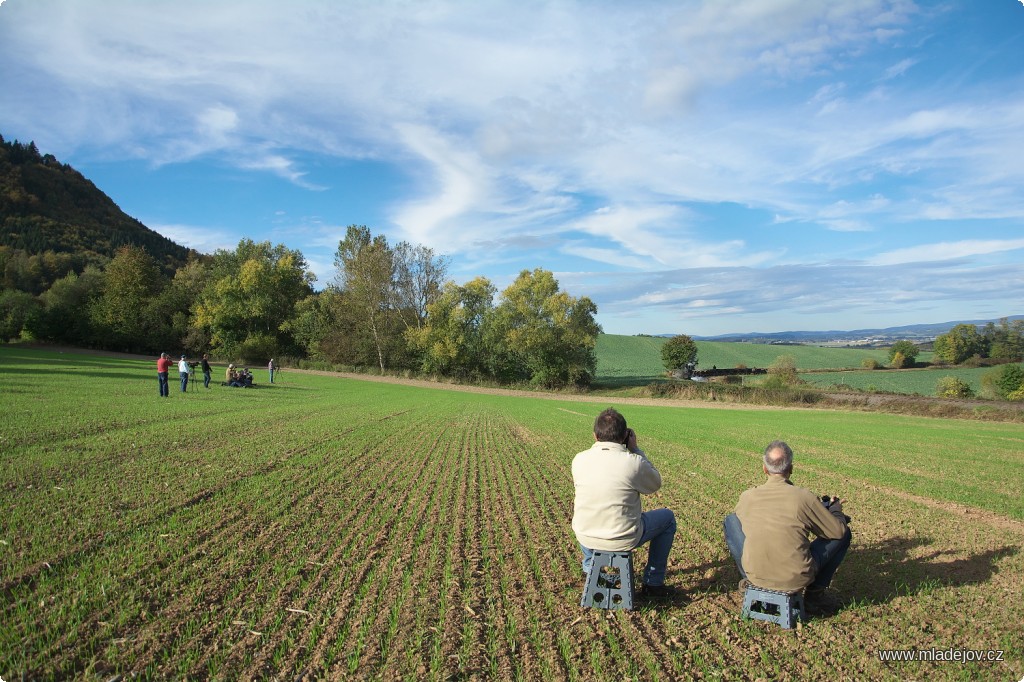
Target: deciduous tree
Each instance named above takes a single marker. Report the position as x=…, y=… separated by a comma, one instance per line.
x=451, y=341
x=419, y=275
x=131, y=279
x=959, y=343
x=16, y=307
x=906, y=351
x=540, y=333
x=678, y=353
x=64, y=316
x=252, y=293
x=1005, y=341
x=366, y=272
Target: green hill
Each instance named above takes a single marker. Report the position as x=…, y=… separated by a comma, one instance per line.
x=47, y=207
x=639, y=357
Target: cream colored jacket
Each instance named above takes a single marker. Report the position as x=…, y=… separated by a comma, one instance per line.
x=609, y=481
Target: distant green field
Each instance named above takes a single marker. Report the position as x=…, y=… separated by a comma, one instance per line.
x=621, y=357
x=920, y=381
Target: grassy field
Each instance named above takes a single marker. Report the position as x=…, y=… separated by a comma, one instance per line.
x=640, y=356
x=920, y=381
x=340, y=529
x=636, y=360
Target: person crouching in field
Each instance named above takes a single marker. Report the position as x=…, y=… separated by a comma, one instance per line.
x=609, y=479
x=768, y=533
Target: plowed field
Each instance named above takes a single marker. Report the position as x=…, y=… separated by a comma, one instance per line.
x=327, y=528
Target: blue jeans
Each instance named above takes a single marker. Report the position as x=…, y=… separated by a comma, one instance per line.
x=184, y=382
x=827, y=554
x=660, y=530
x=162, y=384
x=206, y=379
x=271, y=375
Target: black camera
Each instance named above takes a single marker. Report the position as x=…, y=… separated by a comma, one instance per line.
x=827, y=500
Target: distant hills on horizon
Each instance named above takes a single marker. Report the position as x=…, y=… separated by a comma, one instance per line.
x=912, y=332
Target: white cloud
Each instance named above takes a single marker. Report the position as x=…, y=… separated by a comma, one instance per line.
x=202, y=239
x=460, y=178
x=924, y=253
x=899, y=69
x=280, y=166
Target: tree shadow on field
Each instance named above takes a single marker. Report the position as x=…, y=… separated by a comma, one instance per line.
x=879, y=572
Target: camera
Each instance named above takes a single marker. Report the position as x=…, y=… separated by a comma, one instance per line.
x=827, y=500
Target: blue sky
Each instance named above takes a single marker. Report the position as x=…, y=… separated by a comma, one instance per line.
x=702, y=167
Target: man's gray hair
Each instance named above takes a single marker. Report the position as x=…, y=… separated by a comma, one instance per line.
x=778, y=457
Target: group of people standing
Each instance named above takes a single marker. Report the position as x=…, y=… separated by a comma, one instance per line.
x=768, y=535
x=186, y=370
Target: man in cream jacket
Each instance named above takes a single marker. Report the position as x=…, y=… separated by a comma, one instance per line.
x=609, y=478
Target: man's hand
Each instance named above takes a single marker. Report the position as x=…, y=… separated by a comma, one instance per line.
x=836, y=505
x=631, y=440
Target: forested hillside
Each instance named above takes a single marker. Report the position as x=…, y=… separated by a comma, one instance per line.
x=50, y=211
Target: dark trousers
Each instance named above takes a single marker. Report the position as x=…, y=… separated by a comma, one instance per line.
x=827, y=554
x=161, y=380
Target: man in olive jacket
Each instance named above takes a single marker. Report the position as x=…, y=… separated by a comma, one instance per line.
x=768, y=534
x=607, y=514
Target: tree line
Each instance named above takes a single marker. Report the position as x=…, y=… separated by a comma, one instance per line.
x=966, y=342
x=390, y=307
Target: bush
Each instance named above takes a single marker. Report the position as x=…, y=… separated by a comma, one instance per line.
x=869, y=363
x=953, y=387
x=782, y=372
x=1003, y=381
x=899, y=361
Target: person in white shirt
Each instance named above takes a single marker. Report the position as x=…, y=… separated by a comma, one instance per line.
x=183, y=370
x=609, y=479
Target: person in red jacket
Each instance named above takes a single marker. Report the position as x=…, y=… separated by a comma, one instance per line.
x=163, y=365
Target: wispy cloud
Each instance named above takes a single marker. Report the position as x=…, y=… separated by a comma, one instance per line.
x=923, y=253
